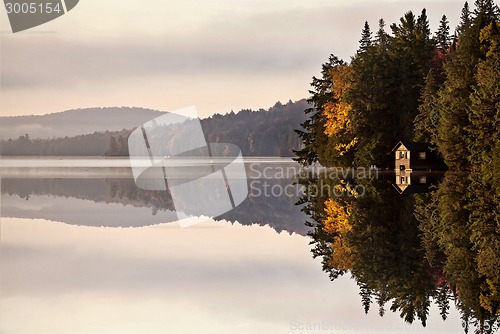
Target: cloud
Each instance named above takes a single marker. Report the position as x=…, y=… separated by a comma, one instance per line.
x=270, y=42
x=267, y=44
x=223, y=56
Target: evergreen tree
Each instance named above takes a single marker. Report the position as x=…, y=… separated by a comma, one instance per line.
x=382, y=298
x=443, y=296
x=366, y=38
x=443, y=36
x=423, y=31
x=486, y=11
x=366, y=296
x=426, y=120
x=381, y=36
x=465, y=19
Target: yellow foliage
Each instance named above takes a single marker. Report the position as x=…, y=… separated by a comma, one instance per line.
x=337, y=221
x=338, y=110
x=337, y=117
x=337, y=224
x=346, y=187
x=344, y=148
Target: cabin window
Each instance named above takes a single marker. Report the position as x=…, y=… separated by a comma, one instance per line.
x=421, y=155
x=422, y=179
x=402, y=167
x=401, y=155
x=403, y=180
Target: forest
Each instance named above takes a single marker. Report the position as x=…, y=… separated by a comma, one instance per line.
x=258, y=133
x=410, y=85
x=411, y=250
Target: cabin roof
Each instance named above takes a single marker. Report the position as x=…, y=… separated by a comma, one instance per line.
x=411, y=145
x=411, y=188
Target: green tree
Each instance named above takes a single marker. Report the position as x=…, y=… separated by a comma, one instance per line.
x=425, y=129
x=443, y=37
x=465, y=19
x=366, y=38
x=381, y=36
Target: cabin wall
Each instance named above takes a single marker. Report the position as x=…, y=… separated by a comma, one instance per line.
x=403, y=159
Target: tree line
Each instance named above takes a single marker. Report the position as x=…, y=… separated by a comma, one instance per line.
x=410, y=85
x=258, y=133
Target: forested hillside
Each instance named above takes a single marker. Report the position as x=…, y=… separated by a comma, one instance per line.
x=258, y=133
x=75, y=122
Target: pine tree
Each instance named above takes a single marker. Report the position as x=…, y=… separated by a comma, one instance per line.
x=369, y=95
x=366, y=38
x=465, y=19
x=381, y=36
x=382, y=298
x=423, y=31
x=486, y=11
x=426, y=120
x=443, y=36
x=443, y=296
x=366, y=296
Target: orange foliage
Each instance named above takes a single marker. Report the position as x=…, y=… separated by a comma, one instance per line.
x=337, y=223
x=337, y=111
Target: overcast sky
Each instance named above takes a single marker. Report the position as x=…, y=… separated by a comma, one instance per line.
x=219, y=55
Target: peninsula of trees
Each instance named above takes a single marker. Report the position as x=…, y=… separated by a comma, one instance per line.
x=442, y=89
x=410, y=84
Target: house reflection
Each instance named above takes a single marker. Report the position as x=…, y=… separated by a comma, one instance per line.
x=415, y=166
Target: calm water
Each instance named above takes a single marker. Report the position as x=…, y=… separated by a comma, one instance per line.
x=83, y=250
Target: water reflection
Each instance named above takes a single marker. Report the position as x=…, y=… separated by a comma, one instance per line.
x=236, y=274
x=410, y=249
x=116, y=201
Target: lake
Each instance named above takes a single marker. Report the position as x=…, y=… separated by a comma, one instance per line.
x=84, y=250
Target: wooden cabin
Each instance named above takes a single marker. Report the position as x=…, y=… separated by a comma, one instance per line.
x=413, y=161
x=412, y=155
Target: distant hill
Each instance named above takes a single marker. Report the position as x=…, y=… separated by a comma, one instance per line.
x=258, y=133
x=75, y=122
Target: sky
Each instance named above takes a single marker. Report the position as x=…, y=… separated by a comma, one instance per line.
x=219, y=55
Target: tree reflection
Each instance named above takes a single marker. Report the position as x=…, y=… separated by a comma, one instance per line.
x=409, y=251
